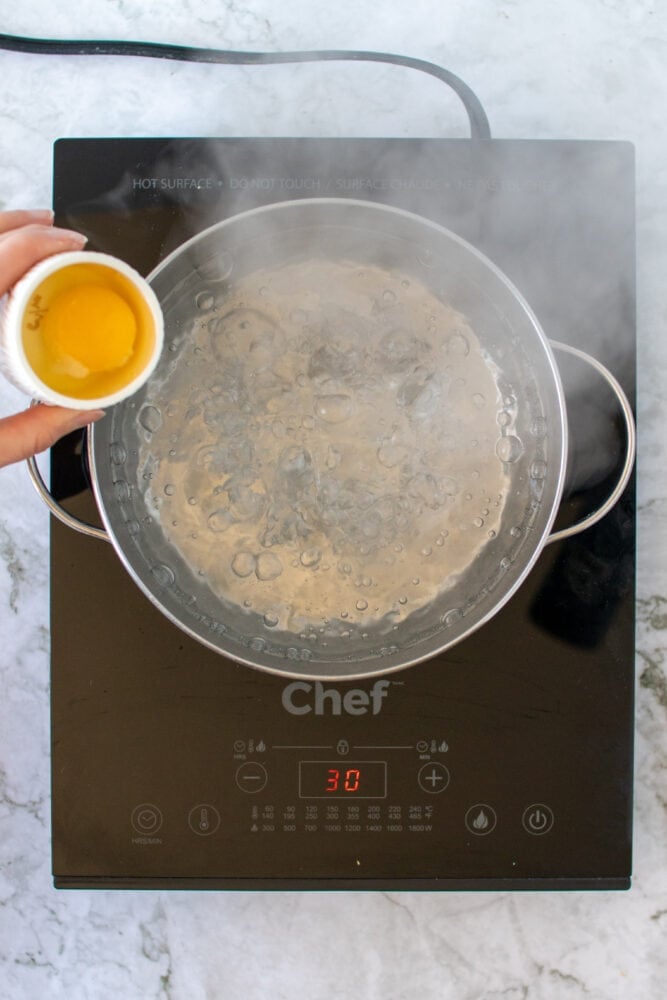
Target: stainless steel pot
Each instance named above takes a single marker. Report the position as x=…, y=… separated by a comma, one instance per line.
x=282, y=524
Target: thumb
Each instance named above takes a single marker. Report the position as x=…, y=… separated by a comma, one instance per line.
x=36, y=429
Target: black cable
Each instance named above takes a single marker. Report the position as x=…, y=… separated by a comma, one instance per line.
x=479, y=123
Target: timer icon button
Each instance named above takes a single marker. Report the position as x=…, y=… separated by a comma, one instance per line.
x=433, y=778
x=537, y=819
x=251, y=777
x=146, y=818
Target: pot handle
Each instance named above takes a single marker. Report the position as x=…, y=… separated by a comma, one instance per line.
x=630, y=451
x=63, y=515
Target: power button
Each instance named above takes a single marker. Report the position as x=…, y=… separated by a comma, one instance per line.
x=537, y=819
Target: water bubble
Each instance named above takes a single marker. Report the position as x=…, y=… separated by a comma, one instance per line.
x=333, y=458
x=449, y=485
x=243, y=563
x=457, y=345
x=388, y=650
x=271, y=620
x=478, y=522
x=427, y=551
x=492, y=534
x=538, y=469
x=403, y=600
x=509, y=448
x=416, y=581
x=219, y=520
x=505, y=563
x=268, y=566
x=504, y=418
x=516, y=531
x=390, y=455
x=216, y=268
x=204, y=301
x=122, y=490
x=310, y=557
x=334, y=409
x=117, y=453
x=163, y=575
x=426, y=257
x=452, y=617
x=150, y=418
x=169, y=489
x=258, y=644
x=388, y=297
x=361, y=604
x=192, y=501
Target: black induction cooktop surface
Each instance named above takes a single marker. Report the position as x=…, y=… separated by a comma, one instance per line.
x=505, y=762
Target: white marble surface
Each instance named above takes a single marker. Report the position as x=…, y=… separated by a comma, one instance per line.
x=571, y=69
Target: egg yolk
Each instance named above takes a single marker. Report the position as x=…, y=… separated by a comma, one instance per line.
x=91, y=325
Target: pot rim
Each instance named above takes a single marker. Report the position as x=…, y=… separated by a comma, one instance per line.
x=344, y=670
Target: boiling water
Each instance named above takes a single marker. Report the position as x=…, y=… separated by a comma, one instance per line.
x=322, y=450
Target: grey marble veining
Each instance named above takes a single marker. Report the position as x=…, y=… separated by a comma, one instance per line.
x=542, y=70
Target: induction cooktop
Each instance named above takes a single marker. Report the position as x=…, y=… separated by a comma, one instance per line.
x=505, y=762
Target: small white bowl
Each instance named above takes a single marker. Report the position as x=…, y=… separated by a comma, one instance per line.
x=26, y=305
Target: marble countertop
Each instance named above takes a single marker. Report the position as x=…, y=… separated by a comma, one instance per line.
x=593, y=70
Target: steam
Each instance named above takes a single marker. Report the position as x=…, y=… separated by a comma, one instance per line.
x=557, y=218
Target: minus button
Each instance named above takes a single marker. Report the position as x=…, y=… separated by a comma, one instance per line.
x=251, y=777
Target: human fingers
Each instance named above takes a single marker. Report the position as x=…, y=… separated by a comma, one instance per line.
x=34, y=430
x=21, y=248
x=24, y=217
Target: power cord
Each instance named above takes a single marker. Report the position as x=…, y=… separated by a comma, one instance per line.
x=479, y=123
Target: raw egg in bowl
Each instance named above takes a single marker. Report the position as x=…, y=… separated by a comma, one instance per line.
x=81, y=329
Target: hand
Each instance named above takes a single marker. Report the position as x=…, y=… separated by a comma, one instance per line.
x=27, y=237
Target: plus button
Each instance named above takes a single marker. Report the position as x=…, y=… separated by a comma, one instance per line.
x=433, y=778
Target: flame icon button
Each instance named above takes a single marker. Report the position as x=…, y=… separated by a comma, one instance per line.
x=537, y=819
x=481, y=819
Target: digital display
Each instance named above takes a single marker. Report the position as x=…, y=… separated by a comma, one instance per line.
x=323, y=779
